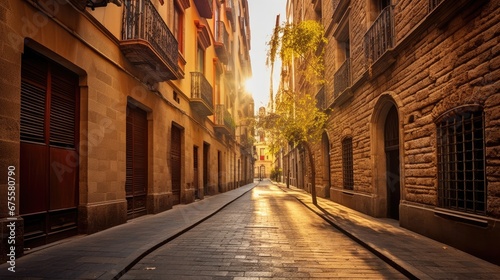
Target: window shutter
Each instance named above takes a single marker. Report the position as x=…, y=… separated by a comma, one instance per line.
x=62, y=112
x=129, y=154
x=33, y=100
x=136, y=161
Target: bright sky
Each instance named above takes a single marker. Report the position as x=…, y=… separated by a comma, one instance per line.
x=262, y=21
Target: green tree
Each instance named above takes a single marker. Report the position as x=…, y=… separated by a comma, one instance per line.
x=296, y=120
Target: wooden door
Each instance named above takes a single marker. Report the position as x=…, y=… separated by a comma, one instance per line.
x=136, y=183
x=206, y=152
x=196, y=183
x=175, y=163
x=392, y=163
x=48, y=150
x=219, y=172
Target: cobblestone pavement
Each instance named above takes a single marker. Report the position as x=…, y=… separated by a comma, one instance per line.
x=266, y=233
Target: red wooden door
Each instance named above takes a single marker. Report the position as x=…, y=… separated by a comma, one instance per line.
x=136, y=162
x=49, y=156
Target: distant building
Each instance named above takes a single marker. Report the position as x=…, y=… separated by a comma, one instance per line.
x=413, y=98
x=264, y=163
x=115, y=110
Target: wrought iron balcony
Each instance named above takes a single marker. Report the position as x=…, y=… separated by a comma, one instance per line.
x=222, y=42
x=201, y=95
x=380, y=36
x=204, y=7
x=224, y=123
x=230, y=68
x=321, y=99
x=242, y=25
x=147, y=42
x=342, y=78
x=229, y=11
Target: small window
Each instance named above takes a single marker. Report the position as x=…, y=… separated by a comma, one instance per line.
x=461, y=162
x=347, y=164
x=176, y=97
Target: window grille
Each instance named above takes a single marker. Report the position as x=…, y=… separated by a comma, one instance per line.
x=347, y=164
x=461, y=162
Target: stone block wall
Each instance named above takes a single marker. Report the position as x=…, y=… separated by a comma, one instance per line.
x=441, y=61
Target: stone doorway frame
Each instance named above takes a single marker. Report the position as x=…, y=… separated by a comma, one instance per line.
x=377, y=127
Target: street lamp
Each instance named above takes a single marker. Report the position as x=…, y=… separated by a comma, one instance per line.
x=102, y=3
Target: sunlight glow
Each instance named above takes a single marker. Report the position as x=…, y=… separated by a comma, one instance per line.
x=249, y=85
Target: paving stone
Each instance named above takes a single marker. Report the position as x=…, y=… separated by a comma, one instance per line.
x=281, y=236
x=267, y=233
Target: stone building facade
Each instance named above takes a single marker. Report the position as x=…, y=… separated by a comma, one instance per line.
x=265, y=160
x=413, y=96
x=117, y=109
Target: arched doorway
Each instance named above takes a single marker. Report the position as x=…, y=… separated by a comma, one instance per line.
x=386, y=155
x=391, y=148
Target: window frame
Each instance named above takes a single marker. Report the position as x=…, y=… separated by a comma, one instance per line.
x=461, y=160
x=178, y=29
x=200, y=59
x=347, y=164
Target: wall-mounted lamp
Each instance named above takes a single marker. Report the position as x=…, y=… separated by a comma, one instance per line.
x=92, y=4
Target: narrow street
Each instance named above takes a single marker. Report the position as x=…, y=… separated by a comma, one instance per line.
x=266, y=233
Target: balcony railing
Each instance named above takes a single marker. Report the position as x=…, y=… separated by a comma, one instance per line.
x=380, y=36
x=201, y=94
x=229, y=11
x=147, y=42
x=224, y=121
x=242, y=25
x=321, y=99
x=230, y=67
x=222, y=42
x=342, y=78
